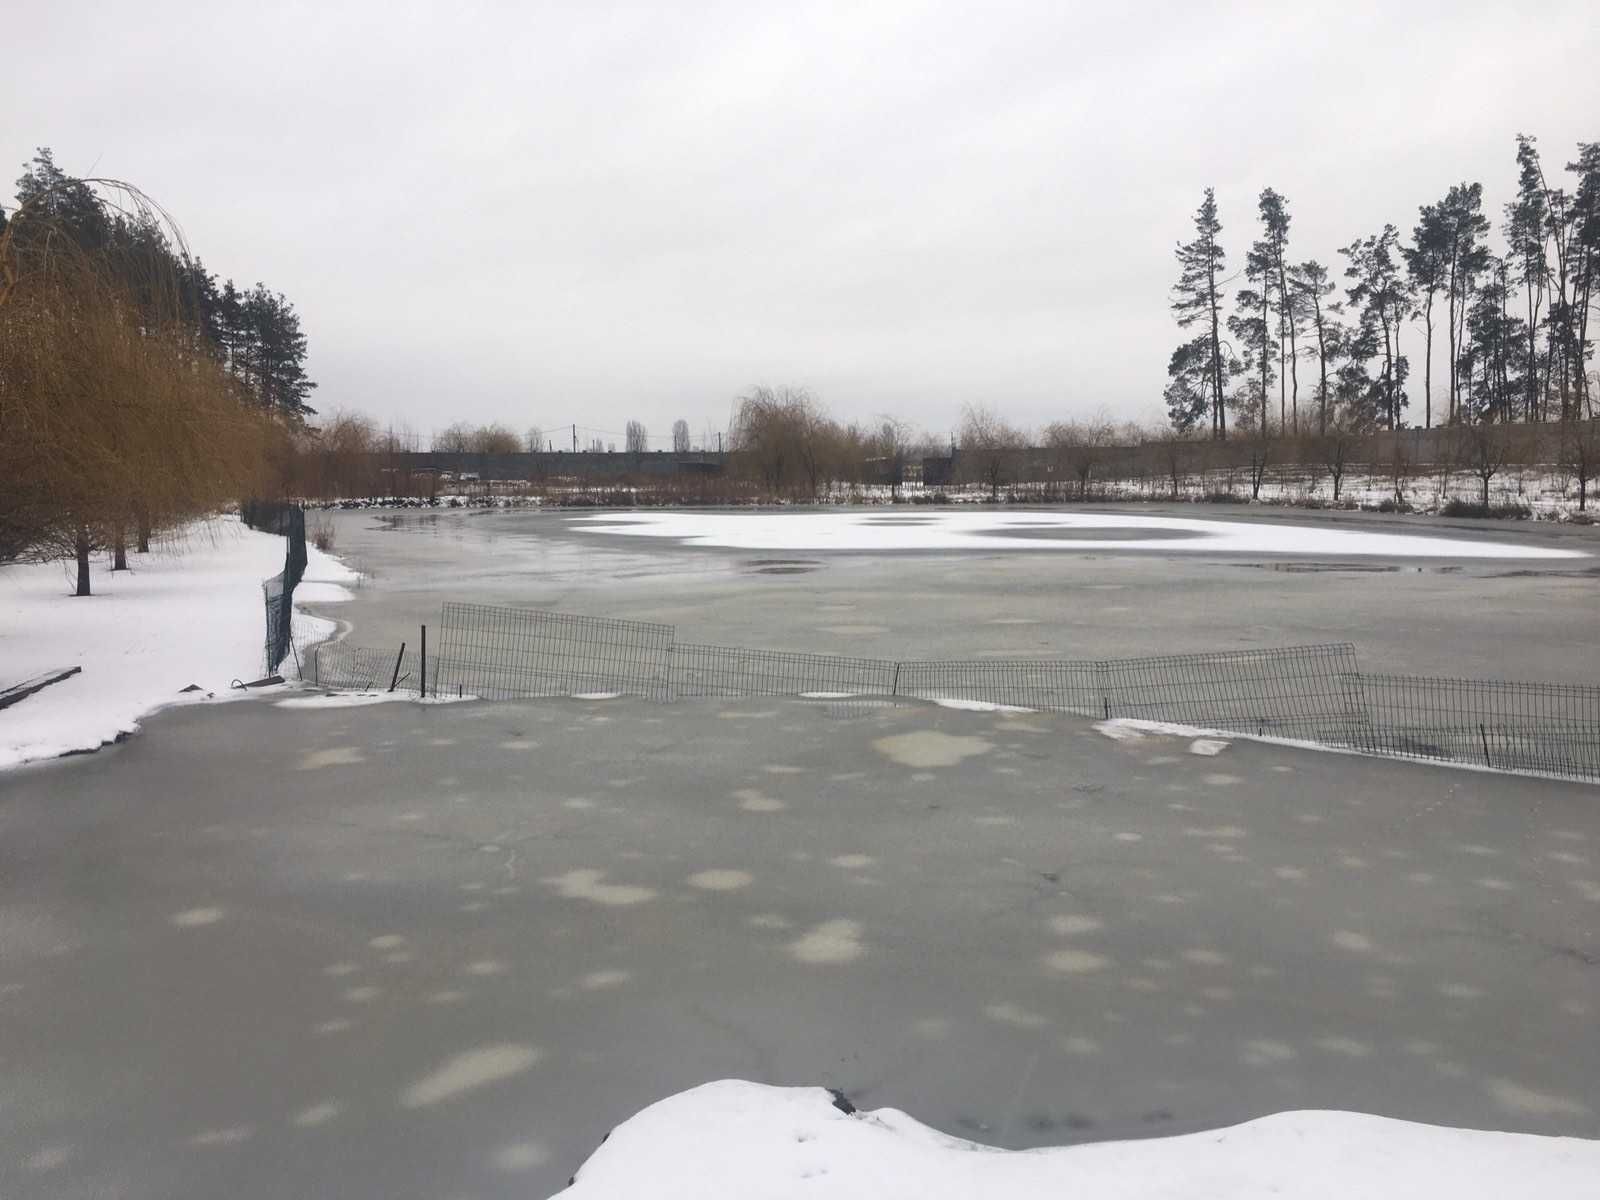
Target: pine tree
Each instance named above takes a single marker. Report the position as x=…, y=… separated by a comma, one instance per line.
x=1250, y=325
x=63, y=203
x=1189, y=383
x=1426, y=265
x=1274, y=210
x=1524, y=231
x=1464, y=227
x=1382, y=297
x=1197, y=299
x=1312, y=290
x=1586, y=262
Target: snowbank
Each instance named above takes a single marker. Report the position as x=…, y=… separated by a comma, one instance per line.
x=767, y=1143
x=189, y=612
x=1041, y=531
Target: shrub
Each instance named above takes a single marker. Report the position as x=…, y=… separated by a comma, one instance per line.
x=1471, y=508
x=321, y=532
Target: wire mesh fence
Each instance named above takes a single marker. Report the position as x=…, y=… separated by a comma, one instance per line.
x=731, y=671
x=1546, y=727
x=1075, y=687
x=289, y=520
x=341, y=667
x=1313, y=693
x=1296, y=691
x=510, y=653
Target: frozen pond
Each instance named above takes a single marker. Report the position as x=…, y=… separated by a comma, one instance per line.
x=951, y=590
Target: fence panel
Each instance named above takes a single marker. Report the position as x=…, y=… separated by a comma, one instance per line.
x=510, y=653
x=1549, y=727
x=1297, y=691
x=732, y=671
x=1060, y=686
x=288, y=520
x=280, y=614
x=339, y=666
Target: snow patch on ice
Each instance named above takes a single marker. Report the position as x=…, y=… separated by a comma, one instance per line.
x=1031, y=532
x=978, y=705
x=930, y=748
x=585, y=884
x=830, y=942
x=468, y=1071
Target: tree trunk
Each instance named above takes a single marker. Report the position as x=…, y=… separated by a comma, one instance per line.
x=144, y=530
x=1219, y=417
x=119, y=551
x=1427, y=364
x=80, y=547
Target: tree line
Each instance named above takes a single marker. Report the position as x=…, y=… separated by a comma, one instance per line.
x=136, y=394
x=1513, y=321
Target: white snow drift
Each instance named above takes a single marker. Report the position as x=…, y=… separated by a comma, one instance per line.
x=1024, y=531
x=767, y=1143
x=185, y=614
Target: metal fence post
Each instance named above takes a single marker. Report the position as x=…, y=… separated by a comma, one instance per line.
x=424, y=682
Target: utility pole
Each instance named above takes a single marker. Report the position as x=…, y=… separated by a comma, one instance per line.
x=719, y=441
x=574, y=439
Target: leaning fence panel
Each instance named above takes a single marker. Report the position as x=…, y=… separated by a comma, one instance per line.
x=341, y=667
x=1294, y=691
x=509, y=653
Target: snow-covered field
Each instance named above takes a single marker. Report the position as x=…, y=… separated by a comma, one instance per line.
x=189, y=612
x=1018, y=530
x=755, y=1142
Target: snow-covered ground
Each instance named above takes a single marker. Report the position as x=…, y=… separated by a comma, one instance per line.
x=767, y=1143
x=189, y=612
x=1019, y=530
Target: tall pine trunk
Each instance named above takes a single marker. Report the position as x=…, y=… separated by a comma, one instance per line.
x=1294, y=352
x=1427, y=363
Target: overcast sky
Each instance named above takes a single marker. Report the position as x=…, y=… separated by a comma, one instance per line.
x=586, y=212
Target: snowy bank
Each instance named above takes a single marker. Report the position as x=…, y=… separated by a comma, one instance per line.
x=189, y=612
x=768, y=1143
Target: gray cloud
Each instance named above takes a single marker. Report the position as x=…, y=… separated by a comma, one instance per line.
x=590, y=212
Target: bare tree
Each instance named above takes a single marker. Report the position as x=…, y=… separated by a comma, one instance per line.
x=774, y=437
x=1580, y=455
x=1333, y=448
x=680, y=436
x=1488, y=451
x=891, y=445
x=636, y=438
x=1078, y=447
x=493, y=439
x=534, y=439
x=455, y=439
x=989, y=447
